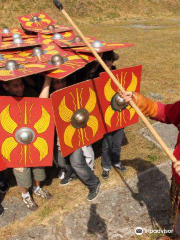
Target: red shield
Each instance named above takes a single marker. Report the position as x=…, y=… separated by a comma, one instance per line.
x=41, y=23
x=105, y=46
x=72, y=62
x=28, y=57
x=130, y=81
x=47, y=39
x=69, y=43
x=27, y=132
x=67, y=104
x=32, y=64
x=25, y=70
x=3, y=165
x=26, y=43
x=11, y=32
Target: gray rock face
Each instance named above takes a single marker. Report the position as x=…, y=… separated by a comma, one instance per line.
x=168, y=133
x=14, y=211
x=142, y=202
x=155, y=96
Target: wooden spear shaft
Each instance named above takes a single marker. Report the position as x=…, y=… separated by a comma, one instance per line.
x=138, y=111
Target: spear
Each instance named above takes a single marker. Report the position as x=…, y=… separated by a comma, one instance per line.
x=138, y=111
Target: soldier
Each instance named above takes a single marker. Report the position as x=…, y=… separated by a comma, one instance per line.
x=77, y=161
x=170, y=114
x=16, y=88
x=112, y=142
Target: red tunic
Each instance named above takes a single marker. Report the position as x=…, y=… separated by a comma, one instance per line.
x=170, y=114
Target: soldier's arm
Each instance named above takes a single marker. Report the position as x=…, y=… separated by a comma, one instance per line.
x=146, y=105
x=46, y=87
x=150, y=108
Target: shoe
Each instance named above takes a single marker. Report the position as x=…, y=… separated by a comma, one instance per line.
x=66, y=180
x=105, y=174
x=74, y=176
x=3, y=187
x=30, y=203
x=120, y=167
x=1, y=210
x=61, y=174
x=42, y=193
x=93, y=192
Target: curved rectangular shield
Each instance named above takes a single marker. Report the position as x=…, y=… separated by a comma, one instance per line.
x=27, y=132
x=116, y=115
x=77, y=116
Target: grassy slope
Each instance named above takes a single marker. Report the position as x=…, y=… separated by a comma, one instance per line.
x=90, y=10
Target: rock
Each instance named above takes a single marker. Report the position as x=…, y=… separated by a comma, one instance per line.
x=168, y=133
x=155, y=96
x=15, y=210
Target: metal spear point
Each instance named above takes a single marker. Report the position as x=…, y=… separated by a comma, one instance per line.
x=138, y=111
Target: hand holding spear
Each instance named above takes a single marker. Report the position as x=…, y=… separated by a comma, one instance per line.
x=138, y=111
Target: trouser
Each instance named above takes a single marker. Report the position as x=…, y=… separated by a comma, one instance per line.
x=83, y=171
x=89, y=156
x=111, y=148
x=24, y=178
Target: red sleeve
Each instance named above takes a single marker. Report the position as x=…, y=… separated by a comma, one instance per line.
x=169, y=113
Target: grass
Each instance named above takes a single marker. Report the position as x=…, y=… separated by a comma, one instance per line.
x=158, y=52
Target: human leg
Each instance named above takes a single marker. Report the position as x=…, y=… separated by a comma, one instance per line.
x=24, y=181
x=117, y=139
x=85, y=174
x=39, y=176
x=88, y=153
x=107, y=151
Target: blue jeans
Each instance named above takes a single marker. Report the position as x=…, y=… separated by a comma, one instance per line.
x=111, y=148
x=81, y=168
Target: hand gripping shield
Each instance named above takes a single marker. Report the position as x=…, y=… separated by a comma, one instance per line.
x=117, y=114
x=27, y=132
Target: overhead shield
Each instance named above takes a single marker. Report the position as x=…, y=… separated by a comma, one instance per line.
x=71, y=62
x=19, y=43
x=42, y=23
x=27, y=132
x=100, y=46
x=48, y=39
x=116, y=113
x=77, y=116
x=6, y=32
x=28, y=62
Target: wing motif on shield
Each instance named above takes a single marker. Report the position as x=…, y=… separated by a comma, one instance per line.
x=109, y=94
x=25, y=135
x=79, y=118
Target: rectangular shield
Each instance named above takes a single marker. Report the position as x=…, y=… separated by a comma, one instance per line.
x=47, y=39
x=115, y=114
x=26, y=43
x=41, y=22
x=77, y=116
x=27, y=132
x=71, y=63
